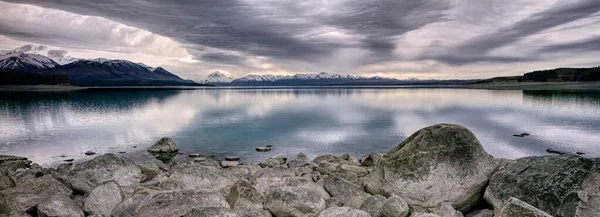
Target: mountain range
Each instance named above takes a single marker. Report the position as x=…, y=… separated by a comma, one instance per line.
x=88, y=72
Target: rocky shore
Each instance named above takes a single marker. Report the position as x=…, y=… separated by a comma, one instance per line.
x=439, y=171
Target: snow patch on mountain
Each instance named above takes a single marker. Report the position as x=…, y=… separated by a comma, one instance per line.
x=217, y=78
x=19, y=61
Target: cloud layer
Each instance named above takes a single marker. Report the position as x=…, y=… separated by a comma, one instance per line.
x=400, y=38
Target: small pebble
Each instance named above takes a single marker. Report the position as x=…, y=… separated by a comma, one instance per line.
x=232, y=158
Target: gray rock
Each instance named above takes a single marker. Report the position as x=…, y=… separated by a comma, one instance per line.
x=89, y=153
x=271, y=163
x=352, y=195
x=148, y=170
x=300, y=161
x=440, y=163
x=245, y=198
x=371, y=159
x=481, y=213
x=227, y=164
x=554, y=184
x=5, y=181
x=325, y=158
x=10, y=163
x=343, y=212
x=590, y=197
x=59, y=206
x=108, y=167
x=210, y=212
x=446, y=210
x=164, y=145
x=394, y=207
x=515, y=207
x=333, y=202
x=422, y=214
x=169, y=203
x=194, y=155
x=263, y=149
x=267, y=178
x=281, y=158
x=373, y=204
x=232, y=158
x=103, y=199
x=30, y=193
x=294, y=201
x=240, y=172
x=205, y=178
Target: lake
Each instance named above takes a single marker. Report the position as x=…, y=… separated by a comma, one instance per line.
x=325, y=120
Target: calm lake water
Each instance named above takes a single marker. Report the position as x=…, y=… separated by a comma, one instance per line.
x=45, y=125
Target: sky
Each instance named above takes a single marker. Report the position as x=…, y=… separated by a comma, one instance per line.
x=446, y=39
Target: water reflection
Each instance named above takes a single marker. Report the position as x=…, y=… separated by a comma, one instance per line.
x=315, y=121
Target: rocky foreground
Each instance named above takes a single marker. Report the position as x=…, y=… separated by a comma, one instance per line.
x=440, y=170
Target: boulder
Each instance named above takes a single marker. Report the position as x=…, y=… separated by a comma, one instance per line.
x=300, y=161
x=148, y=170
x=294, y=201
x=89, y=153
x=205, y=178
x=164, y=145
x=333, y=202
x=422, y=214
x=103, y=199
x=5, y=181
x=240, y=172
x=168, y=203
x=351, y=195
x=193, y=155
x=446, y=210
x=351, y=160
x=245, y=198
x=108, y=167
x=232, y=158
x=267, y=178
x=343, y=212
x=30, y=193
x=59, y=206
x=211, y=211
x=373, y=204
x=440, y=163
x=281, y=158
x=481, y=213
x=371, y=159
x=10, y=163
x=394, y=207
x=227, y=164
x=271, y=163
x=558, y=185
x=263, y=149
x=515, y=207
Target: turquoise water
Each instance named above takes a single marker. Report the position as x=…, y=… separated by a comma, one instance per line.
x=316, y=121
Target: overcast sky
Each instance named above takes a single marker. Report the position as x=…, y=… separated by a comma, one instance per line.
x=393, y=38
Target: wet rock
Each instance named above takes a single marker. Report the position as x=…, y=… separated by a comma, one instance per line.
x=580, y=153
x=481, y=213
x=394, y=207
x=373, y=204
x=59, y=206
x=164, y=145
x=263, y=149
x=343, y=212
x=518, y=135
x=232, y=158
x=554, y=184
x=89, y=153
x=371, y=159
x=148, y=170
x=300, y=161
x=30, y=193
x=440, y=163
x=168, y=203
x=69, y=160
x=552, y=151
x=103, y=199
x=108, y=167
x=352, y=195
x=525, y=134
x=165, y=157
x=5, y=181
x=194, y=155
x=446, y=210
x=516, y=207
x=269, y=146
x=227, y=163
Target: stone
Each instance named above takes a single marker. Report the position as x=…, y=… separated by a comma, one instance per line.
x=371, y=159
x=245, y=198
x=103, y=199
x=164, y=145
x=555, y=184
x=227, y=163
x=326, y=158
x=108, y=167
x=351, y=195
x=194, y=155
x=269, y=146
x=422, y=214
x=240, y=172
x=263, y=149
x=481, y=213
x=205, y=178
x=373, y=204
x=446, y=210
x=281, y=158
x=211, y=211
x=69, y=160
x=232, y=158
x=270, y=163
x=300, y=161
x=343, y=212
x=395, y=206
x=30, y=193
x=59, y=206
x=148, y=170
x=10, y=163
x=168, y=203
x=88, y=153
x=333, y=202
x=518, y=135
x=516, y=207
x=553, y=151
x=440, y=163
x=5, y=181
x=294, y=201
x=580, y=153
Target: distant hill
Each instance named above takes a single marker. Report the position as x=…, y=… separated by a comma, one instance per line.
x=28, y=78
x=564, y=74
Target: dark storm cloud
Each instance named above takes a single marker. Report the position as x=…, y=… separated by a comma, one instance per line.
x=476, y=49
x=269, y=28
x=586, y=45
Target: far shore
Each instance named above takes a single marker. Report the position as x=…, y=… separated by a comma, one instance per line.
x=593, y=85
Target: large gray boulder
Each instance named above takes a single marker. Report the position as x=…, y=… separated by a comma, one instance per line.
x=148, y=170
x=59, y=206
x=108, y=167
x=5, y=181
x=10, y=163
x=244, y=198
x=515, y=207
x=394, y=207
x=559, y=185
x=350, y=194
x=205, y=178
x=164, y=145
x=103, y=199
x=294, y=196
x=343, y=212
x=300, y=161
x=373, y=204
x=29, y=194
x=440, y=163
x=212, y=211
x=446, y=210
x=169, y=203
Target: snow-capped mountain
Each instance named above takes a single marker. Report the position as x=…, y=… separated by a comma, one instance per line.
x=17, y=61
x=59, y=56
x=218, y=78
x=322, y=78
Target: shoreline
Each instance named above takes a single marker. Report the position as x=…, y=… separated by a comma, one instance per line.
x=441, y=170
